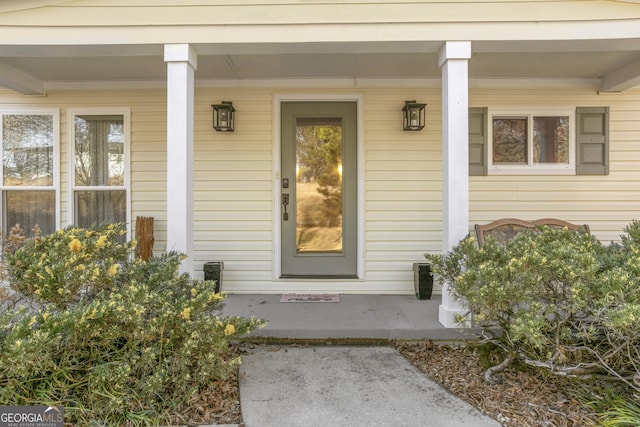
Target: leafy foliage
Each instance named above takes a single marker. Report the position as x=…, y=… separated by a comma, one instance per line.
x=555, y=298
x=615, y=407
x=69, y=265
x=621, y=413
x=116, y=346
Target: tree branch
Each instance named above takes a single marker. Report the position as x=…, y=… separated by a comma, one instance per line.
x=489, y=373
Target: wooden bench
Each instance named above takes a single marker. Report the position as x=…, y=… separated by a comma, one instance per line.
x=505, y=229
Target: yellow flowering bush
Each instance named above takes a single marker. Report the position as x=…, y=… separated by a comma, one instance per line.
x=75, y=246
x=133, y=346
x=70, y=264
x=555, y=298
x=229, y=329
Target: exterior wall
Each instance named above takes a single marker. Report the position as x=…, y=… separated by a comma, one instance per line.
x=403, y=187
x=233, y=201
x=174, y=13
x=234, y=190
x=606, y=203
x=234, y=177
x=234, y=181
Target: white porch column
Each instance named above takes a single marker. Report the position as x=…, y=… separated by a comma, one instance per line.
x=181, y=62
x=454, y=58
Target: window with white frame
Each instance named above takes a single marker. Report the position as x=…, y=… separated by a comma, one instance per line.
x=99, y=164
x=30, y=158
x=532, y=142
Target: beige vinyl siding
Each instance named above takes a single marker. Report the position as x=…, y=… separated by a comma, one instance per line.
x=149, y=160
x=172, y=13
x=403, y=198
x=233, y=196
x=607, y=203
x=149, y=21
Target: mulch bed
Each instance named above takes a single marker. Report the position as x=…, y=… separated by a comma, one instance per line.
x=218, y=405
x=521, y=399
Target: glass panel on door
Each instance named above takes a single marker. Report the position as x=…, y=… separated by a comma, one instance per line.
x=318, y=185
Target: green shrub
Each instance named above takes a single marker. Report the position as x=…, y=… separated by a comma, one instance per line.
x=124, y=345
x=556, y=299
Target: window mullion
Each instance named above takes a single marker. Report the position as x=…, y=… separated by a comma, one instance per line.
x=1, y=156
x=530, y=140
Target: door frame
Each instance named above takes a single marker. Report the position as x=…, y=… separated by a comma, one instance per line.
x=278, y=99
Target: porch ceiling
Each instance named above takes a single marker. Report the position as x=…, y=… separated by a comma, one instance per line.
x=32, y=69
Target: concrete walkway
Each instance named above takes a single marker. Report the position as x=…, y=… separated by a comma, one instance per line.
x=333, y=386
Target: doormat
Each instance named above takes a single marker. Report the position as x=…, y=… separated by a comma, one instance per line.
x=310, y=298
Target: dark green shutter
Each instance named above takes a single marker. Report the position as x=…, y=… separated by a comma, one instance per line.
x=592, y=140
x=477, y=141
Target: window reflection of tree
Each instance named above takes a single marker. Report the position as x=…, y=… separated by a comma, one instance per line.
x=27, y=149
x=319, y=159
x=318, y=165
x=99, y=149
x=510, y=140
x=99, y=162
x=551, y=139
x=27, y=157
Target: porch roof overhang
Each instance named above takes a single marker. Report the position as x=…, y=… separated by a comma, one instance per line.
x=51, y=44
x=607, y=65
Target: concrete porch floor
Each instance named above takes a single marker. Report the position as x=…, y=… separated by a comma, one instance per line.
x=355, y=317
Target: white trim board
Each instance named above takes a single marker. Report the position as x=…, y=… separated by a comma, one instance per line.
x=302, y=83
